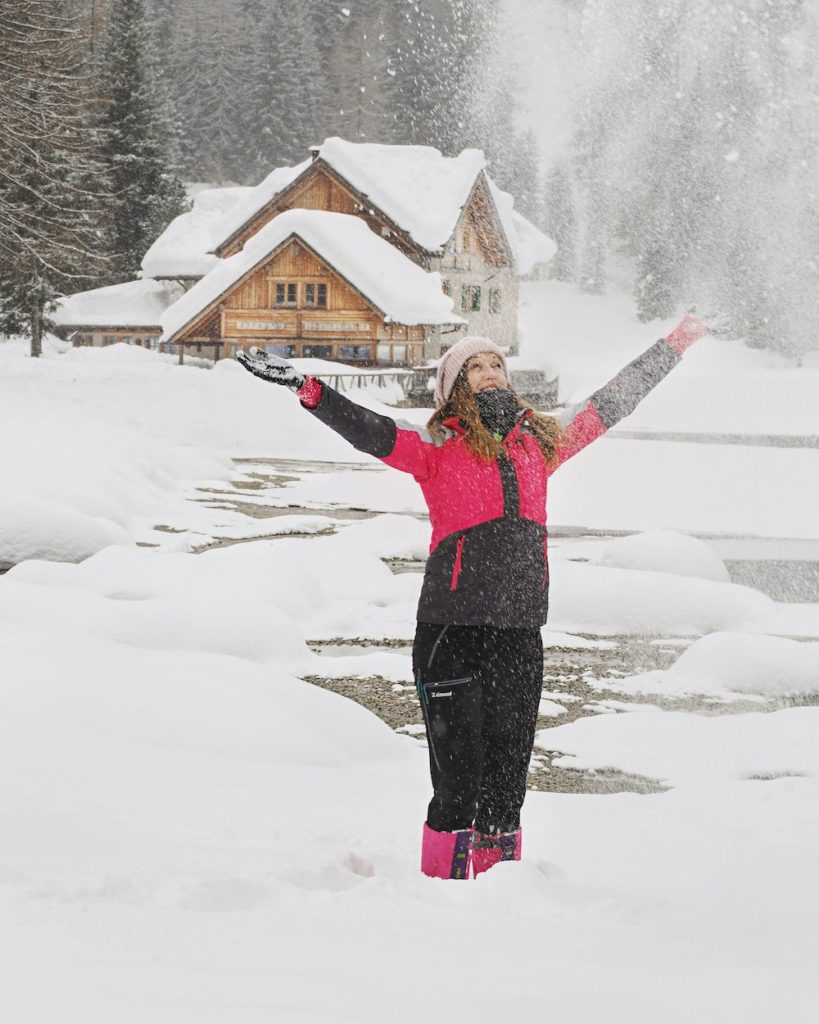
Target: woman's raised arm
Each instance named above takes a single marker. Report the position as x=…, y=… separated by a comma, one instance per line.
x=623, y=393
x=402, y=446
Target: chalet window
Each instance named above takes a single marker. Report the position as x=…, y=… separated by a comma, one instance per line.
x=471, y=298
x=285, y=351
x=286, y=293
x=446, y=287
x=495, y=300
x=315, y=295
x=317, y=351
x=358, y=352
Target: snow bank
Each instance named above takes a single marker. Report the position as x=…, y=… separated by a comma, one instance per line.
x=596, y=599
x=731, y=663
x=691, y=750
x=187, y=829
x=664, y=551
x=34, y=527
x=102, y=444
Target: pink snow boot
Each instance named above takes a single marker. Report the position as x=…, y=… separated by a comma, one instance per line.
x=487, y=851
x=446, y=854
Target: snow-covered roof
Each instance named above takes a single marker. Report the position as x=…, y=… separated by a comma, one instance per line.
x=417, y=187
x=256, y=199
x=184, y=247
x=394, y=284
x=132, y=304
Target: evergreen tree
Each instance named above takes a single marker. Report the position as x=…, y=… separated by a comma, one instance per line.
x=440, y=66
x=283, y=90
x=654, y=294
x=560, y=223
x=494, y=128
x=360, y=72
x=525, y=177
x=138, y=141
x=698, y=144
x=206, y=71
x=49, y=217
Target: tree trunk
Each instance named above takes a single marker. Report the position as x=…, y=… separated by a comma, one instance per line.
x=36, y=328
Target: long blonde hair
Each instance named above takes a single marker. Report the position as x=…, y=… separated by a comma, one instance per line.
x=481, y=442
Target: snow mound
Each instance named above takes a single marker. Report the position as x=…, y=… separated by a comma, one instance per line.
x=681, y=749
x=35, y=527
x=665, y=551
x=599, y=599
x=731, y=663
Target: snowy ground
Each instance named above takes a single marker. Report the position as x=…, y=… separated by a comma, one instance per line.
x=192, y=833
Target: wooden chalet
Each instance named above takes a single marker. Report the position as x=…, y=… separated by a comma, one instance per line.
x=303, y=296
x=444, y=214
x=313, y=284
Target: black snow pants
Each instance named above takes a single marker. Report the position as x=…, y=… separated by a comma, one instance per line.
x=479, y=689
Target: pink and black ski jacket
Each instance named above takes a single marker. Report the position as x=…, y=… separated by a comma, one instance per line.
x=488, y=561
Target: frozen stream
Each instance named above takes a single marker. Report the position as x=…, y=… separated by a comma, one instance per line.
x=579, y=673
x=784, y=568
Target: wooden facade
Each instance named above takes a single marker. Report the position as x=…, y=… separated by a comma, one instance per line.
x=322, y=188
x=295, y=305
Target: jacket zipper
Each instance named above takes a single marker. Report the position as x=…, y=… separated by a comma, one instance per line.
x=458, y=563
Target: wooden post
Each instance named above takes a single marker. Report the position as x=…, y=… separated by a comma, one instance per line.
x=181, y=354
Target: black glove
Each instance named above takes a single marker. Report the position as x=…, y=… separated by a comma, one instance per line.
x=272, y=368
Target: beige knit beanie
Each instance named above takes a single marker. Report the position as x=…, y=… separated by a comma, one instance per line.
x=453, y=360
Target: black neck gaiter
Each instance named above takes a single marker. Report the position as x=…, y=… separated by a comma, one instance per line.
x=498, y=408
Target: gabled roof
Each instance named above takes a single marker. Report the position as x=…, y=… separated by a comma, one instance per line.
x=422, y=191
x=395, y=286
x=183, y=249
x=132, y=304
x=255, y=200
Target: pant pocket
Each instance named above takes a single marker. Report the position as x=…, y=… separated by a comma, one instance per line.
x=446, y=707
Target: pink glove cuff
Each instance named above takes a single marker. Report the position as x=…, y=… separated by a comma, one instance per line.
x=309, y=393
x=687, y=331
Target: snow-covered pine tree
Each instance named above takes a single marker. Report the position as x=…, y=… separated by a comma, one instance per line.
x=495, y=134
x=139, y=144
x=559, y=221
x=525, y=177
x=359, y=70
x=439, y=61
x=704, y=155
x=49, y=210
x=205, y=68
x=654, y=294
x=283, y=90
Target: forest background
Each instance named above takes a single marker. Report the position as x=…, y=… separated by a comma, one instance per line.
x=671, y=147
